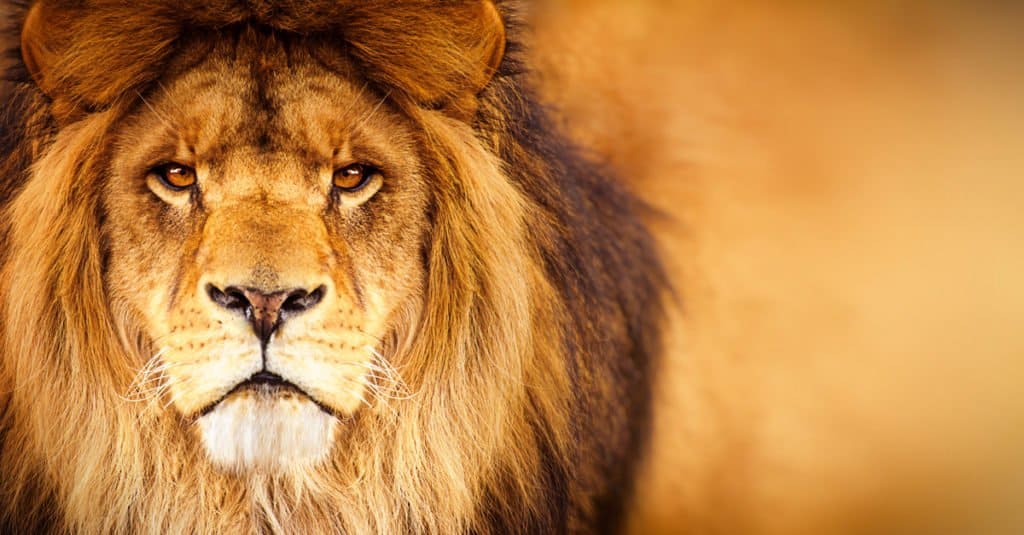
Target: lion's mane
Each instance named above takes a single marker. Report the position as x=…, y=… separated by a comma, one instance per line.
x=543, y=297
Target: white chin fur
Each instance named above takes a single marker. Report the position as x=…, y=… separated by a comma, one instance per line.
x=264, y=431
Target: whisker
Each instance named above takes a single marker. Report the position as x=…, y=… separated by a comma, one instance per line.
x=373, y=111
x=150, y=372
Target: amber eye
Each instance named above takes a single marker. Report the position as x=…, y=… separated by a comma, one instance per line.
x=175, y=176
x=354, y=177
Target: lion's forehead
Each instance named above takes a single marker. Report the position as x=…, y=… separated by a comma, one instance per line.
x=219, y=108
x=260, y=97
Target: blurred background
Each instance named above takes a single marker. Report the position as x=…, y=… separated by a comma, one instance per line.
x=840, y=187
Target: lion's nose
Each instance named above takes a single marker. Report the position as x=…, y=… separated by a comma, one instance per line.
x=265, y=311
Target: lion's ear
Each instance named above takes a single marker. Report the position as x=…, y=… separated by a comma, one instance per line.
x=442, y=55
x=85, y=55
x=36, y=50
x=488, y=51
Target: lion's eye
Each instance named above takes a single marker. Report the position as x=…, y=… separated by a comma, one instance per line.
x=354, y=177
x=175, y=176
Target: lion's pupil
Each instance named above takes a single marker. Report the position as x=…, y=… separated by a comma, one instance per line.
x=179, y=176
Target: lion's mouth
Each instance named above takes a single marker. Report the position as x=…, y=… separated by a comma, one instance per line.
x=267, y=384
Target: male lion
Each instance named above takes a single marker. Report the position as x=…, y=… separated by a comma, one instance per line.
x=309, y=267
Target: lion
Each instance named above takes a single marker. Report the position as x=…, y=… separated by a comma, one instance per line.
x=310, y=267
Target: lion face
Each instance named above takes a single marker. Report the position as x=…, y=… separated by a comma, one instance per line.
x=266, y=218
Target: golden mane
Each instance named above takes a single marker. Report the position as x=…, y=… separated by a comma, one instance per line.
x=543, y=295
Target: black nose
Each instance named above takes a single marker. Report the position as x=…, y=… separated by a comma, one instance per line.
x=266, y=311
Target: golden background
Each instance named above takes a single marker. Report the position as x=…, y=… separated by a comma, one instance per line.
x=845, y=183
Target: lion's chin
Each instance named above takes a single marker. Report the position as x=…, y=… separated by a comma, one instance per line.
x=265, y=431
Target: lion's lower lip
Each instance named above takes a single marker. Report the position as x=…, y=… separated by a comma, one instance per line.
x=268, y=388
x=267, y=384
x=266, y=377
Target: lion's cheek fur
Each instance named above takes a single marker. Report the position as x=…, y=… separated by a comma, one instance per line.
x=252, y=430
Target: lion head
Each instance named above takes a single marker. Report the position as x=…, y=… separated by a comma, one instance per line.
x=315, y=266
x=267, y=220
